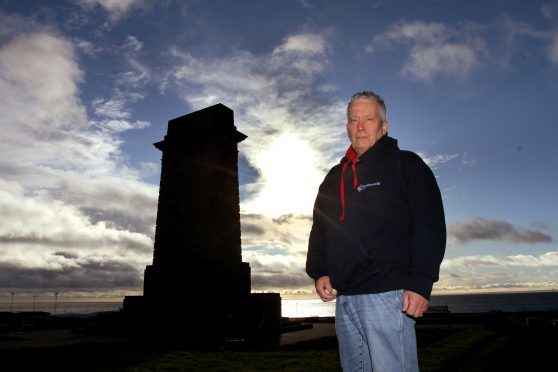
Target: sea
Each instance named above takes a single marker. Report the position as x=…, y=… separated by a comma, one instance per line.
x=462, y=303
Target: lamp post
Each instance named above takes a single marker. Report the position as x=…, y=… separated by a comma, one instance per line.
x=12, y=303
x=55, y=301
x=34, y=302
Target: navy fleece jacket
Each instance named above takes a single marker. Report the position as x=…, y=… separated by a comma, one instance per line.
x=392, y=234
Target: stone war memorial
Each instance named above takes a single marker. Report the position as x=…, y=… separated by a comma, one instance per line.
x=198, y=288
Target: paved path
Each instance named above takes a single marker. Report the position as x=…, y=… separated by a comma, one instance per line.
x=319, y=330
x=62, y=337
x=50, y=337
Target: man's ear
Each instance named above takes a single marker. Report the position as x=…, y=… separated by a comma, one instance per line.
x=385, y=126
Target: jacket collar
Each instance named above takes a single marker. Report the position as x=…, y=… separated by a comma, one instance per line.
x=383, y=145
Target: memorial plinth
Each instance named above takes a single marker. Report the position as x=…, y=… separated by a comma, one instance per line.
x=197, y=276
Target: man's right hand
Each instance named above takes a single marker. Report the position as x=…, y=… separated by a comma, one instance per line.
x=324, y=289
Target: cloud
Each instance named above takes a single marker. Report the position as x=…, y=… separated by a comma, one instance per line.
x=520, y=38
x=304, y=44
x=553, y=48
x=436, y=161
x=548, y=11
x=304, y=53
x=305, y=4
x=113, y=108
x=72, y=274
x=139, y=74
x=499, y=272
x=278, y=99
x=434, y=49
x=27, y=57
x=87, y=47
x=74, y=207
x=416, y=31
x=74, y=215
x=116, y=9
x=35, y=227
x=485, y=229
x=13, y=24
x=548, y=259
x=450, y=60
x=276, y=250
x=499, y=282
x=280, y=281
x=114, y=114
x=127, y=206
x=133, y=44
x=62, y=187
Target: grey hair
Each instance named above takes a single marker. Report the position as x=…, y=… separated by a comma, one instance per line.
x=370, y=96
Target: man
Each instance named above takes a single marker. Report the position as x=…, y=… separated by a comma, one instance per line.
x=377, y=242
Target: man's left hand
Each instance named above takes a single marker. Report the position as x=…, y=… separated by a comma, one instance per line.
x=414, y=304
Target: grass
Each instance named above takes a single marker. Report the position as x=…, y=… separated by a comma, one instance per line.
x=243, y=361
x=95, y=358
x=434, y=357
x=449, y=351
x=469, y=349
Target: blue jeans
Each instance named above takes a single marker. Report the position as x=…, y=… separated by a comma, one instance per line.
x=375, y=334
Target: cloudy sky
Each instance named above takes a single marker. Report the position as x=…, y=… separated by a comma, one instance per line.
x=87, y=86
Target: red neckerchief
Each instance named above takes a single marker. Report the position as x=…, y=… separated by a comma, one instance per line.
x=352, y=158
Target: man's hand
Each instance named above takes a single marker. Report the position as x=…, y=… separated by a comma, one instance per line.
x=414, y=304
x=324, y=289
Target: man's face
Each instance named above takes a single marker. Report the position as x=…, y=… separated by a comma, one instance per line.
x=365, y=125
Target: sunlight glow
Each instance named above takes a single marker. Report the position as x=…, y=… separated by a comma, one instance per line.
x=290, y=178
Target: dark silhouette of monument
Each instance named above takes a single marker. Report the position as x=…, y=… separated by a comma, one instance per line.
x=198, y=283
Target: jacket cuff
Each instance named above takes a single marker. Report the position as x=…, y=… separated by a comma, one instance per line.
x=421, y=285
x=316, y=273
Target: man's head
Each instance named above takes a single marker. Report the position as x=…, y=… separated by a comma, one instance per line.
x=366, y=120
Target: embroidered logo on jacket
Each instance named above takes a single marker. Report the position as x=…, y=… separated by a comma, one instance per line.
x=364, y=187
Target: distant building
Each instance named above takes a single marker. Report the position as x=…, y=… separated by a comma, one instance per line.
x=198, y=280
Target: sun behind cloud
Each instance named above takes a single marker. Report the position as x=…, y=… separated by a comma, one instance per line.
x=290, y=178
